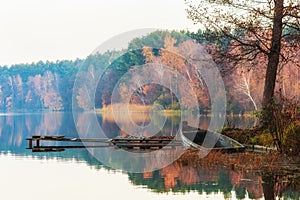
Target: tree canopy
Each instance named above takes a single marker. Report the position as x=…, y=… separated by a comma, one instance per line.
x=256, y=28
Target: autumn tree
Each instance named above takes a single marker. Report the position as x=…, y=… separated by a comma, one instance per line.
x=172, y=55
x=259, y=27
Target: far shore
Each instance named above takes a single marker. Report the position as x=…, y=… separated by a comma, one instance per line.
x=135, y=108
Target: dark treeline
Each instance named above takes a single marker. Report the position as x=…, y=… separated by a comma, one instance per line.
x=49, y=85
x=37, y=86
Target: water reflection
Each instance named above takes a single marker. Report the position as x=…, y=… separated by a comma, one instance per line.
x=185, y=176
x=182, y=176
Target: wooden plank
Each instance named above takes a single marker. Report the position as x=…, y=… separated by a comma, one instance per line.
x=48, y=138
x=62, y=148
x=38, y=143
x=146, y=144
x=30, y=144
x=47, y=150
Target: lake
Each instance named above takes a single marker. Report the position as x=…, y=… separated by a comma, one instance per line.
x=79, y=174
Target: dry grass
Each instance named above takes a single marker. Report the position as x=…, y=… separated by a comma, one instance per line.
x=249, y=161
x=118, y=112
x=121, y=108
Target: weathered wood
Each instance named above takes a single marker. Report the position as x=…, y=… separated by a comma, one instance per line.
x=38, y=143
x=126, y=142
x=30, y=144
x=62, y=138
x=260, y=149
x=145, y=145
x=62, y=148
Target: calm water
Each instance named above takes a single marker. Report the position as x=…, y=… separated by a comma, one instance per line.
x=76, y=174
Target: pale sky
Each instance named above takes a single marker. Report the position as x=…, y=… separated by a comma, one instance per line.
x=33, y=30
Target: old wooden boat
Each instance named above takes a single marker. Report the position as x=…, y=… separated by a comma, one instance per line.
x=203, y=139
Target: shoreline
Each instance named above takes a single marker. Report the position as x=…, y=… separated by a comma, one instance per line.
x=273, y=162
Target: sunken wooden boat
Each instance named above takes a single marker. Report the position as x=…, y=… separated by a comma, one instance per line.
x=205, y=140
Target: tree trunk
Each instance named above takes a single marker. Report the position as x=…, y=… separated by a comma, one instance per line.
x=273, y=60
x=268, y=187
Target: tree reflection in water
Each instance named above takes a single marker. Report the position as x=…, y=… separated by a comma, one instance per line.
x=182, y=176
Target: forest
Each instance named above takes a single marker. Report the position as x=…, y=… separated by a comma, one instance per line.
x=48, y=86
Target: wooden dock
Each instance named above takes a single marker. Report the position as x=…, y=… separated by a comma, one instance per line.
x=191, y=137
x=141, y=143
